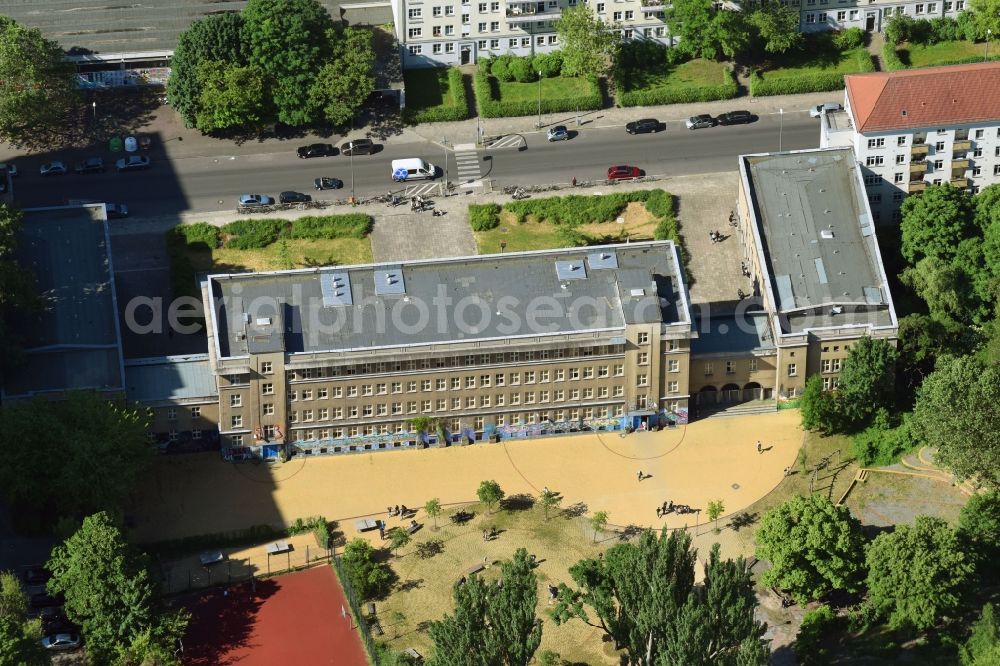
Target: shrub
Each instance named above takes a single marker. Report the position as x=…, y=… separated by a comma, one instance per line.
x=549, y=64
x=967, y=27
x=805, y=82
x=253, y=234
x=817, y=626
x=199, y=233
x=943, y=29
x=522, y=70
x=484, y=217
x=883, y=441
x=491, y=106
x=500, y=68
x=459, y=110
x=681, y=94
x=367, y=577
x=351, y=225
x=890, y=58
x=898, y=27
x=851, y=38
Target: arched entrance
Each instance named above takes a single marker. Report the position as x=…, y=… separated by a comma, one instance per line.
x=754, y=391
x=708, y=395
x=730, y=393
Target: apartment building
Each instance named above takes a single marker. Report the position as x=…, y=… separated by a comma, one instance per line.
x=871, y=16
x=436, y=34
x=336, y=360
x=808, y=240
x=917, y=127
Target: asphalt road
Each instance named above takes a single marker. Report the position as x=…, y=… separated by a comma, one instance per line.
x=196, y=184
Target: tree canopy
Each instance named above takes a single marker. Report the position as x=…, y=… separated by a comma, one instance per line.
x=109, y=592
x=588, y=44
x=986, y=16
x=814, y=548
x=866, y=380
x=979, y=526
x=644, y=598
x=109, y=452
x=493, y=624
x=19, y=636
x=38, y=93
x=489, y=493
x=983, y=646
x=915, y=573
x=343, y=85
x=958, y=412
x=776, y=25
x=366, y=576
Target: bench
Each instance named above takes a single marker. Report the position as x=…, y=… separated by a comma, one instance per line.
x=414, y=526
x=371, y=608
x=365, y=525
x=475, y=568
x=377, y=628
x=278, y=547
x=410, y=652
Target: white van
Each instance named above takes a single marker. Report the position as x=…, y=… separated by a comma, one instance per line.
x=415, y=169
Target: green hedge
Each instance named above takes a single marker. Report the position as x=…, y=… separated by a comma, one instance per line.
x=484, y=217
x=255, y=234
x=805, y=82
x=491, y=106
x=890, y=59
x=681, y=94
x=574, y=210
x=444, y=112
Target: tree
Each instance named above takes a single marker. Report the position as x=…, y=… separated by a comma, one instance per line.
x=13, y=600
x=818, y=408
x=343, y=85
x=814, y=547
x=949, y=289
x=289, y=41
x=588, y=43
x=644, y=599
x=366, y=577
x=231, y=96
x=38, y=91
x=777, y=25
x=19, y=642
x=706, y=32
x=715, y=509
x=983, y=646
x=18, y=299
x=110, y=451
x=398, y=538
x=986, y=16
x=598, y=522
x=958, y=412
x=493, y=625
x=433, y=509
x=979, y=526
x=817, y=626
x=489, y=493
x=214, y=38
x=915, y=573
x=866, y=380
x=935, y=222
x=549, y=500
x=107, y=587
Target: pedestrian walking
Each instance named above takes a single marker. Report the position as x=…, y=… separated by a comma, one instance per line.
x=658, y=513
x=788, y=470
x=760, y=447
x=574, y=181
x=639, y=475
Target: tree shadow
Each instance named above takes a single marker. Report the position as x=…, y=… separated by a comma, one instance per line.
x=628, y=532
x=743, y=519
x=411, y=584
x=519, y=502
x=428, y=549
x=462, y=517
x=574, y=510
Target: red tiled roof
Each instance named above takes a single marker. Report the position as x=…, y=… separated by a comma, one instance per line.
x=930, y=97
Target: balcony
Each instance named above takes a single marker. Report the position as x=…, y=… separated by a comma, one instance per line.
x=961, y=146
x=651, y=6
x=528, y=13
x=916, y=186
x=961, y=183
x=919, y=150
x=918, y=167
x=959, y=165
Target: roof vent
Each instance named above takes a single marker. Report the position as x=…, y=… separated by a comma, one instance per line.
x=263, y=321
x=638, y=293
x=826, y=233
x=836, y=309
x=827, y=211
x=904, y=113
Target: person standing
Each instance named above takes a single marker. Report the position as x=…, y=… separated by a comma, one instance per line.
x=760, y=447
x=639, y=475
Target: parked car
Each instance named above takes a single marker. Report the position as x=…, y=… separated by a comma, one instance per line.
x=36, y=575
x=623, y=172
x=61, y=642
x=645, y=126
x=358, y=147
x=116, y=211
x=132, y=163
x=255, y=200
x=825, y=107
x=558, y=133
x=316, y=150
x=54, y=168
x=325, y=183
x=294, y=197
x=208, y=558
x=90, y=165
x=735, y=118
x=699, y=121
x=11, y=169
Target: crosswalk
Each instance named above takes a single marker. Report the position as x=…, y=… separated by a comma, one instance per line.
x=467, y=164
x=507, y=141
x=422, y=189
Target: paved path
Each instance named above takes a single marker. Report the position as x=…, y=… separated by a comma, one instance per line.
x=406, y=236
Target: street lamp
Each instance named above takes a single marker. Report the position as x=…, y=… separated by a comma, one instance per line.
x=94, y=105
x=989, y=32
x=781, y=126
x=352, y=172
x=539, y=100
x=444, y=144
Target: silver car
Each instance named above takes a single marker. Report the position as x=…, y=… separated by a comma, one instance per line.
x=255, y=200
x=61, y=642
x=132, y=163
x=53, y=168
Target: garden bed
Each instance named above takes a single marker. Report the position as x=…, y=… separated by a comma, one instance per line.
x=500, y=99
x=435, y=95
x=819, y=66
x=697, y=80
x=955, y=52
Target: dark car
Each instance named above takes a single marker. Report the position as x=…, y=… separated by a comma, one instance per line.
x=358, y=147
x=700, y=121
x=325, y=183
x=645, y=126
x=623, y=172
x=36, y=575
x=90, y=165
x=116, y=211
x=59, y=625
x=294, y=197
x=735, y=118
x=316, y=150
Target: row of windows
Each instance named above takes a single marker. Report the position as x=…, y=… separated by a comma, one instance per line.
x=730, y=367
x=172, y=413
x=174, y=436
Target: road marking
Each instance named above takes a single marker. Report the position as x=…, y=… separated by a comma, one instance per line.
x=420, y=190
x=467, y=164
x=508, y=141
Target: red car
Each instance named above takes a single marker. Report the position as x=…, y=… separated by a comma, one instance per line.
x=622, y=172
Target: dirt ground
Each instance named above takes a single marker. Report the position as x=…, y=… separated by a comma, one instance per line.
x=637, y=224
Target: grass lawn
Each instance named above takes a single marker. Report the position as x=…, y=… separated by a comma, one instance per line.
x=823, y=61
x=942, y=53
x=428, y=88
x=303, y=253
x=533, y=234
x=424, y=591
x=557, y=87
x=697, y=72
